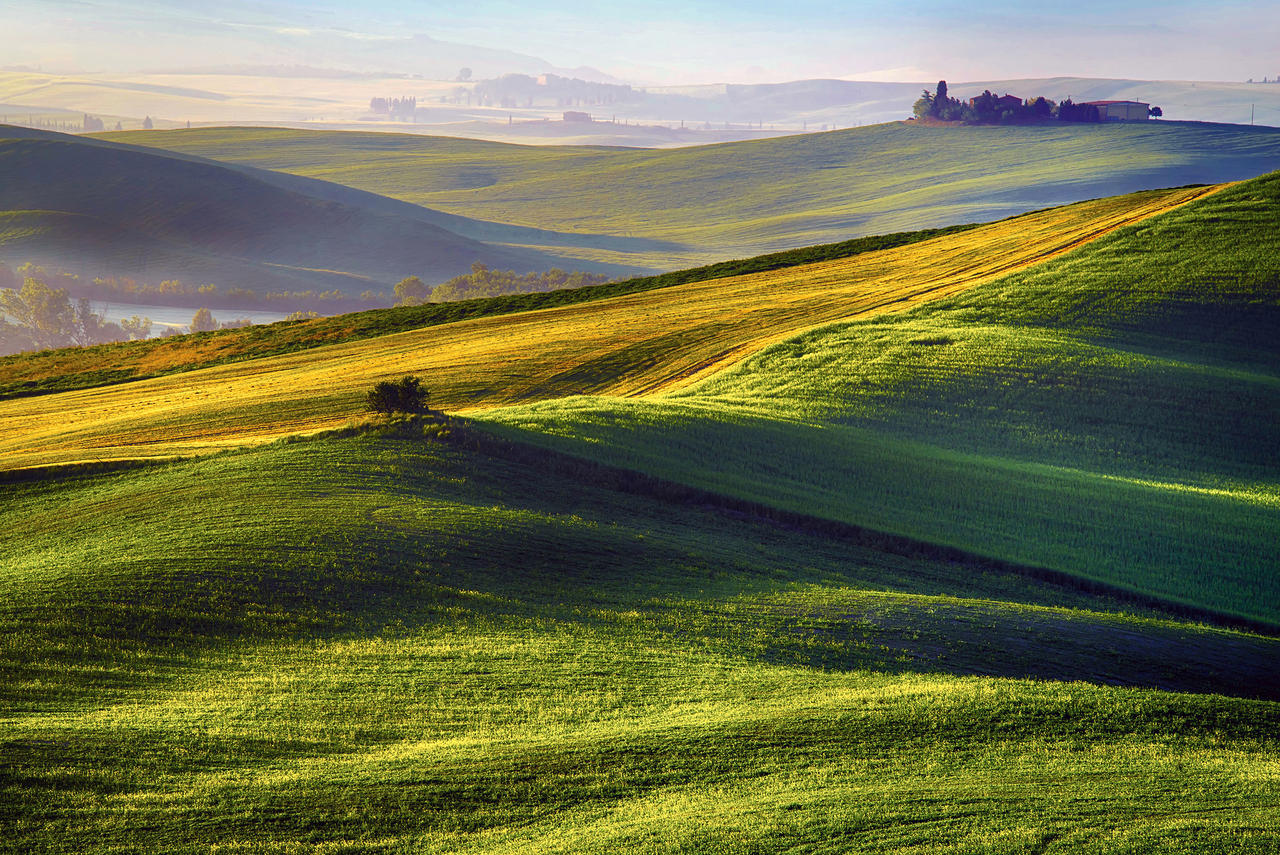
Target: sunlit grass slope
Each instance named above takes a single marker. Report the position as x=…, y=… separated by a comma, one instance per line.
x=746, y=198
x=629, y=345
x=1111, y=413
x=375, y=644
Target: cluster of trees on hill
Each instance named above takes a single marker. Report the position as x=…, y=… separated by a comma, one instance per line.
x=483, y=282
x=394, y=107
x=989, y=108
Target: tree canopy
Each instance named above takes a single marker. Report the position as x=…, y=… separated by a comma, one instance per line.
x=406, y=395
x=38, y=317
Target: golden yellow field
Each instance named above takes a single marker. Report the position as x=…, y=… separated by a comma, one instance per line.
x=633, y=345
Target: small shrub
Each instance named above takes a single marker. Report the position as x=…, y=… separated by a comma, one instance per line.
x=405, y=395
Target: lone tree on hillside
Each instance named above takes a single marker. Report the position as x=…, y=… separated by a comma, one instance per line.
x=405, y=395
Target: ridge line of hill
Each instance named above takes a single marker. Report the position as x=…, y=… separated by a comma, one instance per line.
x=468, y=434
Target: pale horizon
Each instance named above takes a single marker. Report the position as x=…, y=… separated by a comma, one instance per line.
x=662, y=43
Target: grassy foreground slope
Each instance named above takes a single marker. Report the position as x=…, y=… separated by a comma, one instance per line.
x=629, y=344
x=1111, y=413
x=375, y=644
x=745, y=198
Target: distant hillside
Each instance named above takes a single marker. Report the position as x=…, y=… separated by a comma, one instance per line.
x=123, y=210
x=742, y=199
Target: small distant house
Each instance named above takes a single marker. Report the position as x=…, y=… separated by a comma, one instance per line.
x=1004, y=102
x=575, y=116
x=1121, y=111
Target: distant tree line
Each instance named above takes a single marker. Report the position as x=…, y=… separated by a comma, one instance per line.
x=38, y=317
x=175, y=292
x=484, y=282
x=521, y=90
x=989, y=108
x=394, y=107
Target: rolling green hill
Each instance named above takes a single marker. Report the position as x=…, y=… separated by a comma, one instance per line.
x=740, y=199
x=1110, y=413
x=918, y=582
x=124, y=210
x=377, y=644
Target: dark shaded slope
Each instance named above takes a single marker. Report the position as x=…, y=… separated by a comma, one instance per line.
x=104, y=246
x=202, y=210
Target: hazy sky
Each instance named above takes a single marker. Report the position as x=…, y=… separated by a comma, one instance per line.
x=670, y=41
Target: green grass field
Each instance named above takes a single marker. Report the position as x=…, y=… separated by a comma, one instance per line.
x=1111, y=413
x=738, y=199
x=965, y=577
x=375, y=644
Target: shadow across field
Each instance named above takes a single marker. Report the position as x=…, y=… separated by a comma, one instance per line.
x=357, y=536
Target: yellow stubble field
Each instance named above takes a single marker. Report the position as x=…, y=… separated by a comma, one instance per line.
x=639, y=344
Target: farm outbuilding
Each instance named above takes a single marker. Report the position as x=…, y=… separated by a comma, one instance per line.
x=1121, y=111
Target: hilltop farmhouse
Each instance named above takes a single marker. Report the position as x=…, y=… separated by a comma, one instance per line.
x=1004, y=102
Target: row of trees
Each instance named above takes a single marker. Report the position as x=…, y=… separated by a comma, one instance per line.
x=484, y=282
x=39, y=317
x=989, y=108
x=395, y=107
x=521, y=90
x=175, y=292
